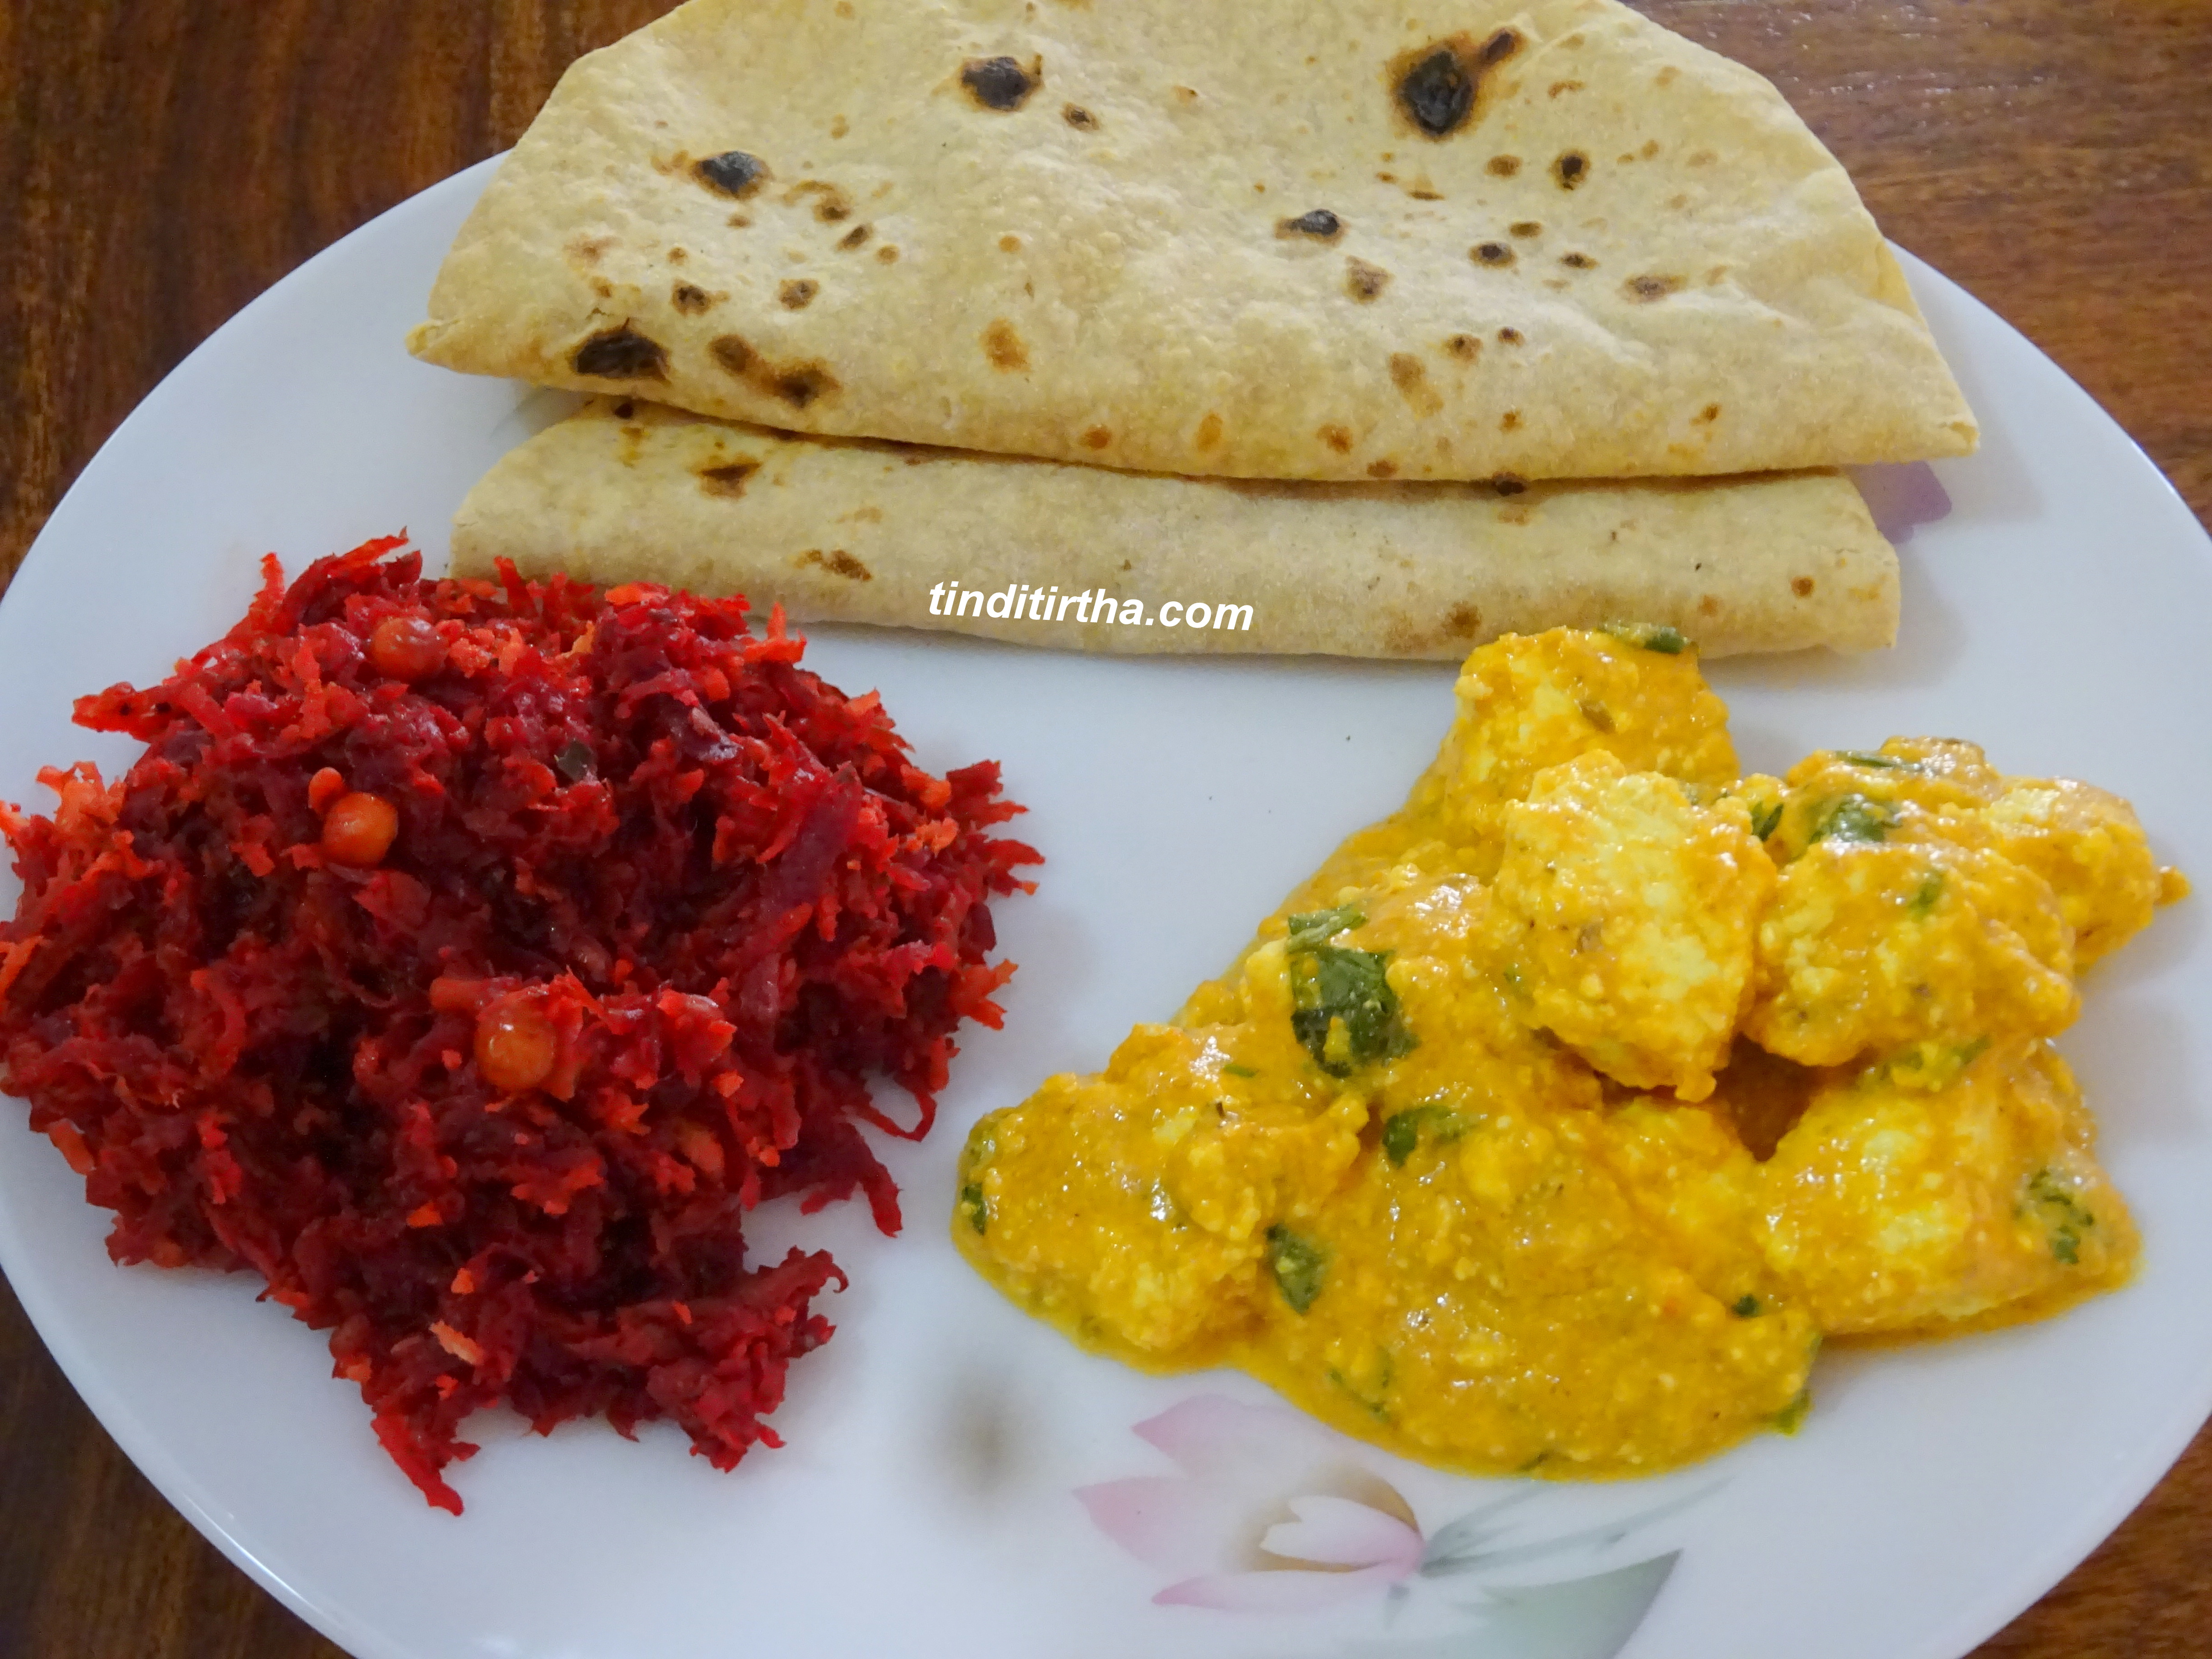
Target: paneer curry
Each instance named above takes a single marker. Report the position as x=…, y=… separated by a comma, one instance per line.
x=1554, y=1123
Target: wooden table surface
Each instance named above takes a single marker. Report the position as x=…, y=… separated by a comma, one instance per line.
x=163, y=161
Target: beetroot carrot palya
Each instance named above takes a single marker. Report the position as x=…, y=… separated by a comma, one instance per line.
x=466, y=958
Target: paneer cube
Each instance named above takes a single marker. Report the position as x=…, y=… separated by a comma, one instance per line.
x=1896, y=1206
x=1625, y=915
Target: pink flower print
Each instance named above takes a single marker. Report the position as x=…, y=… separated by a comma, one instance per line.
x=1902, y=496
x=1268, y=1515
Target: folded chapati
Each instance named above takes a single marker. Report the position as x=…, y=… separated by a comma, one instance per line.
x=1295, y=239
x=851, y=531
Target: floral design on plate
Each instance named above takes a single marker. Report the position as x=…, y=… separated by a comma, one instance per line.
x=1902, y=495
x=1273, y=1513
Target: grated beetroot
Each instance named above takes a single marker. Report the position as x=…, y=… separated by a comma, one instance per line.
x=466, y=958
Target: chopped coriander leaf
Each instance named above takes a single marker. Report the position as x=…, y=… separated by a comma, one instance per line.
x=1926, y=1065
x=1868, y=757
x=1300, y=1265
x=1317, y=928
x=1343, y=1009
x=1787, y=1420
x=1232, y=1069
x=1930, y=892
x=1371, y=1402
x=1667, y=642
x=1401, y=1130
x=1765, y=820
x=1853, y=817
x=975, y=1206
x=2062, y=1214
x=1747, y=1307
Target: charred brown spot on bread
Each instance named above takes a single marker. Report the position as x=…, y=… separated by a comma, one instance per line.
x=1509, y=337
x=1435, y=92
x=1425, y=195
x=734, y=172
x=1362, y=282
x=1462, y=621
x=1504, y=167
x=1000, y=83
x=1411, y=376
x=1506, y=483
x=1438, y=87
x=798, y=293
x=1510, y=421
x=1465, y=347
x=1802, y=587
x=621, y=354
x=1525, y=229
x=834, y=208
x=727, y=478
x=797, y=383
x=1320, y=224
x=1491, y=253
x=1650, y=149
x=802, y=383
x=676, y=256
x=1571, y=167
x=1078, y=118
x=690, y=300
x=838, y=562
x=1098, y=438
x=1646, y=288
x=603, y=288
x=1338, y=438
x=1579, y=261
x=1004, y=347
x=1709, y=414
x=1209, y=431
x=1010, y=243
x=586, y=249
x=625, y=411
x=1382, y=468
x=1403, y=638
x=1559, y=87
x=887, y=255
x=854, y=238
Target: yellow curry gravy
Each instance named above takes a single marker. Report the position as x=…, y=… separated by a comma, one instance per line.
x=1554, y=1123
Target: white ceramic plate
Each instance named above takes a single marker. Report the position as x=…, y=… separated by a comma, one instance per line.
x=927, y=1501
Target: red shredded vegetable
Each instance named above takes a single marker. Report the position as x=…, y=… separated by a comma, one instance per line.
x=466, y=958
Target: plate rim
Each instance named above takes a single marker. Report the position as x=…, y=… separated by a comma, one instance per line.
x=1974, y=1620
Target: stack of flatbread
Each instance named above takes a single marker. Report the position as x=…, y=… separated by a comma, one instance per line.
x=1403, y=325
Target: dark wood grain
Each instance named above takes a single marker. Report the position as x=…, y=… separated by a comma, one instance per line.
x=163, y=161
